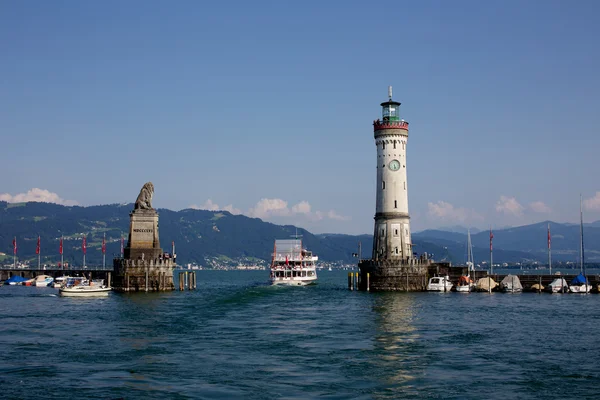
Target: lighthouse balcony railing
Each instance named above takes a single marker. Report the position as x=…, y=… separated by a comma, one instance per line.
x=378, y=124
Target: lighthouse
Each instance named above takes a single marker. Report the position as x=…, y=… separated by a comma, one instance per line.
x=391, y=238
x=392, y=266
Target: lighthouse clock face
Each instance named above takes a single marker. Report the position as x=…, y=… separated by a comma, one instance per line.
x=394, y=165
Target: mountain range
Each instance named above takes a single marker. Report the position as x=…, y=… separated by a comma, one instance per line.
x=208, y=238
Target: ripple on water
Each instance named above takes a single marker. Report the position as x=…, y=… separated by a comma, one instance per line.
x=238, y=338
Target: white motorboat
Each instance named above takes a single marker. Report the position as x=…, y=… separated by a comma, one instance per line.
x=465, y=284
x=80, y=287
x=559, y=285
x=43, y=280
x=292, y=265
x=511, y=284
x=439, y=284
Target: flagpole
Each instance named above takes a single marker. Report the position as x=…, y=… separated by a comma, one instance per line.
x=15, y=252
x=62, y=259
x=83, y=248
x=39, y=252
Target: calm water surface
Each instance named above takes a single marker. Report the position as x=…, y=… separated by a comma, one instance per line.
x=235, y=337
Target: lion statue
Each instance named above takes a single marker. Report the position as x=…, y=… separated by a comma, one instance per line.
x=144, y=199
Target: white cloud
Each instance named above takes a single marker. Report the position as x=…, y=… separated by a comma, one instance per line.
x=447, y=212
x=301, y=208
x=272, y=208
x=211, y=206
x=509, y=206
x=540, y=207
x=333, y=215
x=269, y=207
x=593, y=203
x=36, y=194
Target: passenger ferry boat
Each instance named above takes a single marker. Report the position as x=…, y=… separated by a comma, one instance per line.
x=292, y=265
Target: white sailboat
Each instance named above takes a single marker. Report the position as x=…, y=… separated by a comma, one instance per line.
x=580, y=284
x=465, y=282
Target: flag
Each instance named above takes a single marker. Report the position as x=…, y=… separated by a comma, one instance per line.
x=60, y=246
x=104, y=245
x=286, y=261
x=491, y=237
x=37, y=249
x=549, y=239
x=15, y=246
x=83, y=245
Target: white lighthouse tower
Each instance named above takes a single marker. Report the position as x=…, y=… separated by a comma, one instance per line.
x=391, y=239
x=392, y=266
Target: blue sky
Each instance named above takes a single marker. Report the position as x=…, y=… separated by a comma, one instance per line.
x=266, y=108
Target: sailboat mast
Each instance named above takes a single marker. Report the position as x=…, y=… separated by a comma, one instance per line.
x=581, y=258
x=549, y=250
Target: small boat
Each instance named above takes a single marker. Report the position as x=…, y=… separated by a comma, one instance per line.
x=580, y=284
x=81, y=287
x=60, y=281
x=43, y=280
x=486, y=284
x=16, y=280
x=537, y=287
x=511, y=284
x=559, y=285
x=291, y=264
x=465, y=283
x=439, y=284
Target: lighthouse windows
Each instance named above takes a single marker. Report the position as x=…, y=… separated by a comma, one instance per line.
x=395, y=203
x=394, y=145
x=383, y=144
x=383, y=185
x=396, y=230
x=402, y=145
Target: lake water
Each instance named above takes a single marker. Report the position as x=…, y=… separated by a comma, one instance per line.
x=235, y=337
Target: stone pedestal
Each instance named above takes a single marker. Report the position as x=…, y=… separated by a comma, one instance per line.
x=394, y=275
x=143, y=242
x=144, y=266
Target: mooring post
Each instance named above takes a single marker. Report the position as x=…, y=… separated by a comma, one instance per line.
x=368, y=281
x=407, y=279
x=540, y=284
x=181, y=281
x=108, y=279
x=147, y=278
x=349, y=280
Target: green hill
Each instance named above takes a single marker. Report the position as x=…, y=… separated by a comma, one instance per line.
x=209, y=237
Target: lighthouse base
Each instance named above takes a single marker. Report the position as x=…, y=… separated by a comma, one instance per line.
x=393, y=275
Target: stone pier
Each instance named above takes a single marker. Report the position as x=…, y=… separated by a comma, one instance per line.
x=392, y=275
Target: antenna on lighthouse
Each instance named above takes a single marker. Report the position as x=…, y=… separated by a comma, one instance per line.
x=390, y=92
